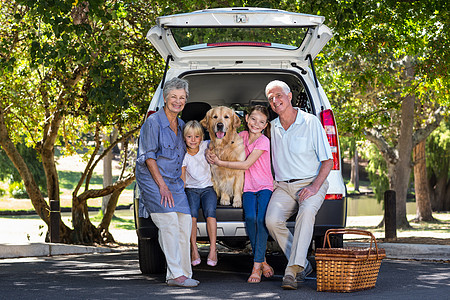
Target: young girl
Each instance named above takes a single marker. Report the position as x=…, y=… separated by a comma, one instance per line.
x=199, y=189
x=258, y=185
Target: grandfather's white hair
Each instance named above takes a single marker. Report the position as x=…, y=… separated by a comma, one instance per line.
x=278, y=83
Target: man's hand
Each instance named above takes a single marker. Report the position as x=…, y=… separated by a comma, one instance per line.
x=306, y=192
x=314, y=187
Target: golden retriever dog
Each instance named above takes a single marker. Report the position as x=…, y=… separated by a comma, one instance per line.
x=221, y=123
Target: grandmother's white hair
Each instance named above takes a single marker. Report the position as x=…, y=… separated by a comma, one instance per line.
x=175, y=84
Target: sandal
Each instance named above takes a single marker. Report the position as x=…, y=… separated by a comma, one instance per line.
x=267, y=270
x=255, y=277
x=211, y=262
x=196, y=262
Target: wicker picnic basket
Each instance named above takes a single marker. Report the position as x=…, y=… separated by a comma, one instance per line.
x=347, y=269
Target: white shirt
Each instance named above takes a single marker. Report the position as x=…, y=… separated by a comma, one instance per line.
x=298, y=151
x=198, y=171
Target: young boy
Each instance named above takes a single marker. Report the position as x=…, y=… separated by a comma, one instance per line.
x=199, y=189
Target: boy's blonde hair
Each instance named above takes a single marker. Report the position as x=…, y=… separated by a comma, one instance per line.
x=194, y=126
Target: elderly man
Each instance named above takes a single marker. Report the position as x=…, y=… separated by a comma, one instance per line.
x=302, y=160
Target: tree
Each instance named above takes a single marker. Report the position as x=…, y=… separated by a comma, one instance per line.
x=71, y=70
x=386, y=59
x=438, y=167
x=423, y=203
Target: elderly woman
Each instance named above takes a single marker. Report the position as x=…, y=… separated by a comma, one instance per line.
x=158, y=170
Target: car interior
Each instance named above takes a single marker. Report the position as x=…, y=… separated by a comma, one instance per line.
x=240, y=89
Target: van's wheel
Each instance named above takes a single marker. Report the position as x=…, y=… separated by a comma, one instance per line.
x=336, y=241
x=151, y=257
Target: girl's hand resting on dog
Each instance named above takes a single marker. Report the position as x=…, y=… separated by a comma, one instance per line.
x=212, y=158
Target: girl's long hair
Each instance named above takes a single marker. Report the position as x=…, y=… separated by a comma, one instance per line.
x=262, y=109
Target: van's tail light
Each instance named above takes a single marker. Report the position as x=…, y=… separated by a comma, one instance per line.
x=150, y=112
x=329, y=125
x=334, y=196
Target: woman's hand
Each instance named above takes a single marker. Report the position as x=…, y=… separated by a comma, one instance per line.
x=166, y=196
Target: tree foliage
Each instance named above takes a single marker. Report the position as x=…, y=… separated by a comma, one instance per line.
x=73, y=70
x=384, y=78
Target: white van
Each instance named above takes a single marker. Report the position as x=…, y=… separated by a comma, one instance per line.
x=228, y=56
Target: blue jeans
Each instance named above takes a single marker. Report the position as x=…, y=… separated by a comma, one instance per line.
x=206, y=197
x=255, y=206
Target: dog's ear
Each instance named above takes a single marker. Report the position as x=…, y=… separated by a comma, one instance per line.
x=204, y=122
x=236, y=121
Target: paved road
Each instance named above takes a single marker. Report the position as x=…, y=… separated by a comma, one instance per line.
x=117, y=276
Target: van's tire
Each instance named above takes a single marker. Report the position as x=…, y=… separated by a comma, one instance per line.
x=151, y=257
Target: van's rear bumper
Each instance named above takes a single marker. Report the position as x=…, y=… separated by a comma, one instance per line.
x=230, y=221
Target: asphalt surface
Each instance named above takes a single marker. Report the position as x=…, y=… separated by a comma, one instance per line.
x=117, y=276
x=39, y=270
x=25, y=238
x=393, y=250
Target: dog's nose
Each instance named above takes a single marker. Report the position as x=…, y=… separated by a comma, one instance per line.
x=220, y=126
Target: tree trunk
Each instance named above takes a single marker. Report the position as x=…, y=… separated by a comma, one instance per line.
x=48, y=161
x=109, y=214
x=107, y=176
x=354, y=176
x=84, y=231
x=402, y=170
x=107, y=168
x=423, y=203
x=447, y=197
x=439, y=191
x=32, y=188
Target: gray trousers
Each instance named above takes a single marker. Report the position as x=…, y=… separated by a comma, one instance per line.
x=283, y=204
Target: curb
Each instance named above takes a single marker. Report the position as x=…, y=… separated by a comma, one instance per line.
x=410, y=251
x=393, y=250
x=46, y=249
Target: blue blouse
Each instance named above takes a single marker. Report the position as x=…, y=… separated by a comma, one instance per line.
x=159, y=142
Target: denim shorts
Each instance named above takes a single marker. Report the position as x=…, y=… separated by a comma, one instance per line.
x=206, y=197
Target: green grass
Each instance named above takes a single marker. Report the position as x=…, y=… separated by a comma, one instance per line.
x=125, y=223
x=69, y=180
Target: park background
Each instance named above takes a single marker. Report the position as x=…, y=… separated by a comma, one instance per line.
x=77, y=77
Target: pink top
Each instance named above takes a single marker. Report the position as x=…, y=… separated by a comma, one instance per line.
x=259, y=176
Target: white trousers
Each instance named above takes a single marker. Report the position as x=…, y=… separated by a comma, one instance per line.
x=283, y=204
x=174, y=238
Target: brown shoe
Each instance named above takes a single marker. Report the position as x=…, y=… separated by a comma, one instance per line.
x=289, y=283
x=255, y=277
x=267, y=270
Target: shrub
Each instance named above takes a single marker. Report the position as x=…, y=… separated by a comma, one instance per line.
x=17, y=190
